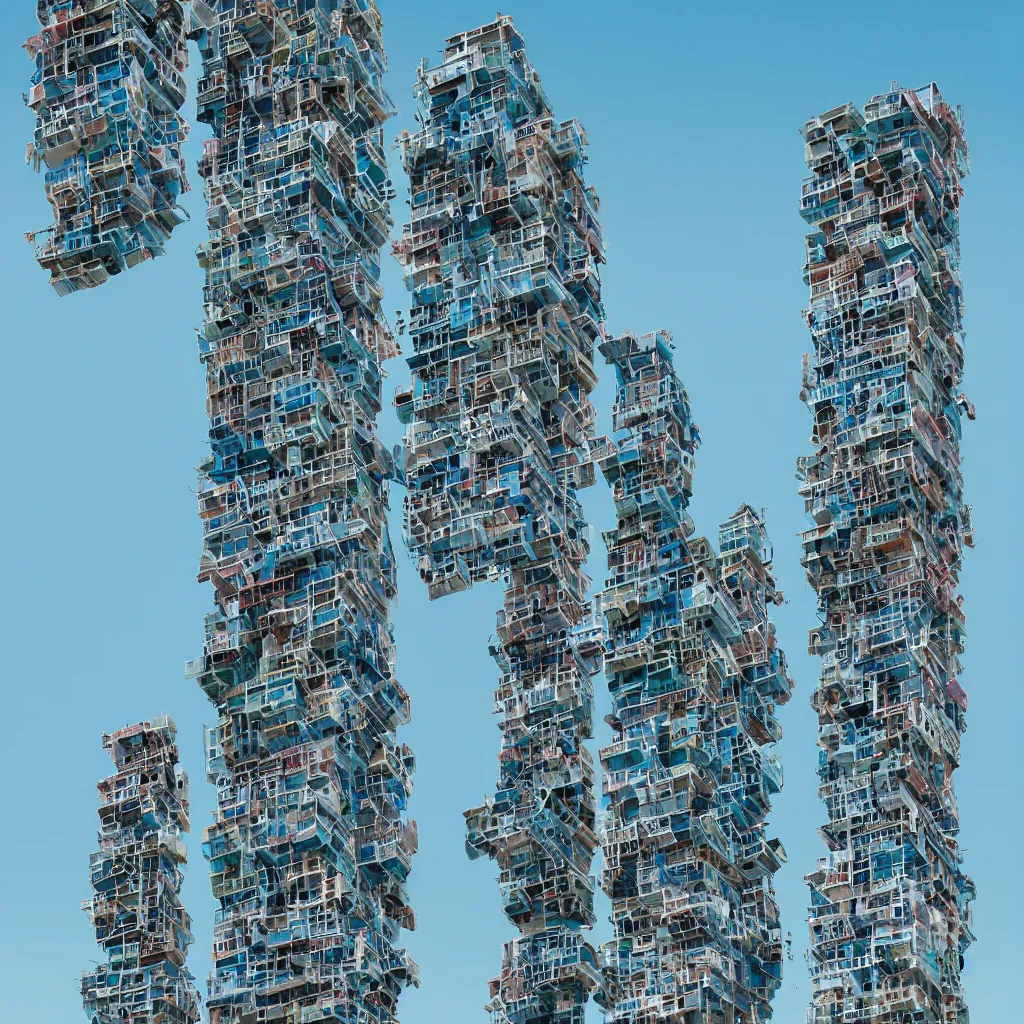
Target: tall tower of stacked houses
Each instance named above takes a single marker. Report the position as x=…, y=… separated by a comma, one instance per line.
x=107, y=92
x=695, y=675
x=501, y=255
x=890, y=918
x=137, y=875
x=309, y=852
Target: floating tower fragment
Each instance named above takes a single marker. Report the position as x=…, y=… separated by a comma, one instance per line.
x=107, y=94
x=309, y=851
x=695, y=675
x=501, y=255
x=137, y=875
x=889, y=905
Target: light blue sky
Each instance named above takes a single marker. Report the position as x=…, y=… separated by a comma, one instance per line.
x=692, y=113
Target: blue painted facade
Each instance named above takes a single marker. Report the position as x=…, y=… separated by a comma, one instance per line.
x=890, y=916
x=501, y=255
x=107, y=94
x=310, y=849
x=136, y=876
x=696, y=676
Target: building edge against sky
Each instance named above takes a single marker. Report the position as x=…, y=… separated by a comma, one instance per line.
x=695, y=674
x=136, y=876
x=309, y=850
x=501, y=255
x=107, y=94
x=890, y=917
